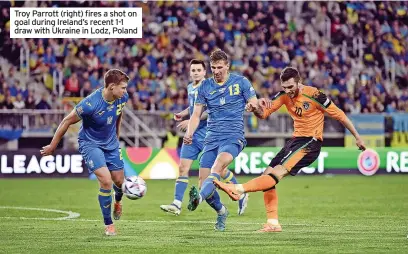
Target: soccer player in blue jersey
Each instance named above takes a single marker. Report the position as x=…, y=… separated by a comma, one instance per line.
x=189, y=153
x=101, y=114
x=225, y=96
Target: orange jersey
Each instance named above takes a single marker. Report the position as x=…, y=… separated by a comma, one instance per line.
x=307, y=111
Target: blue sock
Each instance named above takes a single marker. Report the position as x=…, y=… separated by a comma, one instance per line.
x=118, y=193
x=179, y=189
x=105, y=202
x=214, y=201
x=230, y=178
x=208, y=185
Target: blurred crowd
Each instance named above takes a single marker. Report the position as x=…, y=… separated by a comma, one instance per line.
x=357, y=52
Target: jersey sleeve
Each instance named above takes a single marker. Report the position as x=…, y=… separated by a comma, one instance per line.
x=84, y=108
x=328, y=106
x=247, y=90
x=277, y=102
x=201, y=94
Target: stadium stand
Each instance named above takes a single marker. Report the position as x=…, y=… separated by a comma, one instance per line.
x=355, y=51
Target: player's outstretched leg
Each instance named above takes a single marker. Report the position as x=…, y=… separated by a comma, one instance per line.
x=179, y=188
x=271, y=206
x=264, y=182
x=243, y=201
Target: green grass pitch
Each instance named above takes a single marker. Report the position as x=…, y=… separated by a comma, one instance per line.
x=319, y=214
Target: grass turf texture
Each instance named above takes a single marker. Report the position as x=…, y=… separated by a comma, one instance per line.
x=319, y=214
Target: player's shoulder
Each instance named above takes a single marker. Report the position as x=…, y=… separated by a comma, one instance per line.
x=238, y=78
x=279, y=95
x=309, y=91
x=316, y=95
x=206, y=85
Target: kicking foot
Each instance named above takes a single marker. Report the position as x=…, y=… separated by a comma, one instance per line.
x=172, y=208
x=243, y=203
x=117, y=210
x=228, y=188
x=194, y=199
x=270, y=228
x=110, y=230
x=221, y=219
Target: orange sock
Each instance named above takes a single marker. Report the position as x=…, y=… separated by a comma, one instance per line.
x=260, y=183
x=271, y=204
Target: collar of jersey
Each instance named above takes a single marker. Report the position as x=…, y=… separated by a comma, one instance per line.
x=109, y=102
x=192, y=84
x=220, y=84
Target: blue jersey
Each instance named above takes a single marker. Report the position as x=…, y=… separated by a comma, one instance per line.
x=225, y=106
x=99, y=120
x=199, y=134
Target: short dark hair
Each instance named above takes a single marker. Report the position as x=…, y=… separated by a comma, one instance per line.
x=115, y=76
x=288, y=73
x=218, y=55
x=197, y=61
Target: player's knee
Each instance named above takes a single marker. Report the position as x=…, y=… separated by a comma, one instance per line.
x=106, y=183
x=183, y=169
x=221, y=163
x=278, y=171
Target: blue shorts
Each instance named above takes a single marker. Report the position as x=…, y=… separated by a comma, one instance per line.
x=96, y=157
x=192, y=151
x=211, y=151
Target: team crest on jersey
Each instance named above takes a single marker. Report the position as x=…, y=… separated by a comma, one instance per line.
x=222, y=100
x=222, y=90
x=110, y=119
x=110, y=108
x=306, y=105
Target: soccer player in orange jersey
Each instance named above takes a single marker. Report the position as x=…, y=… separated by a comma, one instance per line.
x=306, y=105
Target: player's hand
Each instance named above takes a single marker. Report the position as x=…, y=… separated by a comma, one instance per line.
x=178, y=116
x=47, y=150
x=251, y=107
x=183, y=125
x=360, y=144
x=265, y=103
x=188, y=139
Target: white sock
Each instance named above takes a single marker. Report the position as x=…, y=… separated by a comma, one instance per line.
x=222, y=211
x=177, y=203
x=201, y=199
x=273, y=221
x=240, y=188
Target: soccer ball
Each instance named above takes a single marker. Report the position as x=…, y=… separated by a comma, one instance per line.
x=134, y=187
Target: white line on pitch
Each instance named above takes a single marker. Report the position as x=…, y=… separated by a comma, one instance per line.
x=71, y=215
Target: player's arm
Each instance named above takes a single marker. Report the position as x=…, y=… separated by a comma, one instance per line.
x=70, y=119
x=193, y=123
x=118, y=122
x=181, y=115
x=333, y=111
x=265, y=107
x=204, y=115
